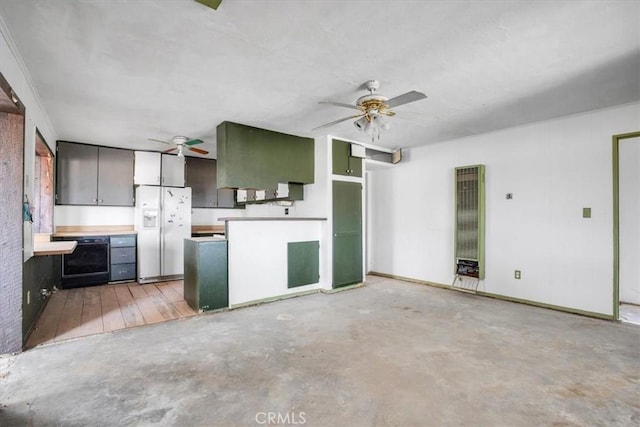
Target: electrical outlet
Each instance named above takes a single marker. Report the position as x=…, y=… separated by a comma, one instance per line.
x=28, y=297
x=286, y=211
x=517, y=274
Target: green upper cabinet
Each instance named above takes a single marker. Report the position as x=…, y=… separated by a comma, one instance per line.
x=255, y=158
x=343, y=162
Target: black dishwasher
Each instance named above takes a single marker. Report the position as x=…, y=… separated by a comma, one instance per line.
x=88, y=264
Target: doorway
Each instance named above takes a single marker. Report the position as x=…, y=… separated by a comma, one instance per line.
x=626, y=199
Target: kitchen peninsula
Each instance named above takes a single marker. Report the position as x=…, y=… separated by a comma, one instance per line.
x=271, y=257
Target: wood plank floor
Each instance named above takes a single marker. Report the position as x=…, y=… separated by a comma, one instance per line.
x=72, y=313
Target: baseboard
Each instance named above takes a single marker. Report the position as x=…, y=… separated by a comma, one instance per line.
x=500, y=297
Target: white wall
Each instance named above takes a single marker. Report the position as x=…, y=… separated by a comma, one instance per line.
x=629, y=279
x=258, y=258
x=553, y=168
x=14, y=71
x=93, y=215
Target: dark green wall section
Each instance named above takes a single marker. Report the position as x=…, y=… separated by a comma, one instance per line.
x=255, y=158
x=303, y=259
x=39, y=272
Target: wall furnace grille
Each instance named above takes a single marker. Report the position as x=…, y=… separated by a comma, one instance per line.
x=469, y=221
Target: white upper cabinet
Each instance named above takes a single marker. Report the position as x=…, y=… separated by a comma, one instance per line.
x=158, y=169
x=172, y=171
x=147, y=168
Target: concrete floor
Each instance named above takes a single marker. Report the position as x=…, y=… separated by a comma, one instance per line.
x=387, y=354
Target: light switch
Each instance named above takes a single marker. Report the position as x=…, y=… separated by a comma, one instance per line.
x=586, y=212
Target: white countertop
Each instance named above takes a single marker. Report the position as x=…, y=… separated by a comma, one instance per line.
x=207, y=239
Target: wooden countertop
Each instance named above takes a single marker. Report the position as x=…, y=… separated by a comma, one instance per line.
x=54, y=248
x=271, y=218
x=93, y=230
x=207, y=229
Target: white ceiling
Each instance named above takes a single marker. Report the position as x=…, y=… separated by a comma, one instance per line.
x=118, y=72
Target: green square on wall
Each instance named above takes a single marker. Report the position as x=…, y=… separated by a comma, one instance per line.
x=303, y=263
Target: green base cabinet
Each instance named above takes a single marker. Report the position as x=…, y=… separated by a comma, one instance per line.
x=205, y=273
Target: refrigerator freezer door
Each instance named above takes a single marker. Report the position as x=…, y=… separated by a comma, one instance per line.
x=147, y=225
x=176, y=226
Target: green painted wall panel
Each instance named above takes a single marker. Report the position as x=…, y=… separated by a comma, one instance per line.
x=303, y=263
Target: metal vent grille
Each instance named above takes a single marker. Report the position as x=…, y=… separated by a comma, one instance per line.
x=469, y=231
x=467, y=213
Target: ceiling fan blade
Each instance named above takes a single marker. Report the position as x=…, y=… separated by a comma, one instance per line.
x=194, y=142
x=335, y=122
x=405, y=98
x=198, y=150
x=170, y=150
x=213, y=4
x=340, y=104
x=159, y=140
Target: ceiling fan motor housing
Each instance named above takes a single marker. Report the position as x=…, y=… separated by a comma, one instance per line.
x=180, y=140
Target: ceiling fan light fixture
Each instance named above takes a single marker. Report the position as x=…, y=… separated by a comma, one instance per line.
x=361, y=123
x=180, y=153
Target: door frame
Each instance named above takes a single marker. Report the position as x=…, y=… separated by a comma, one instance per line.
x=616, y=219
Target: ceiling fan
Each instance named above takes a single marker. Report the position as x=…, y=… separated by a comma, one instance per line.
x=180, y=142
x=374, y=109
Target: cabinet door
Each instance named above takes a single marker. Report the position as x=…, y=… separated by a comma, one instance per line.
x=340, y=157
x=343, y=163
x=347, y=233
x=172, y=171
x=355, y=166
x=147, y=168
x=201, y=177
x=77, y=174
x=115, y=177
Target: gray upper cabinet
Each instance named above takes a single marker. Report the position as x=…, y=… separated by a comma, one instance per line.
x=115, y=177
x=201, y=177
x=77, y=174
x=93, y=175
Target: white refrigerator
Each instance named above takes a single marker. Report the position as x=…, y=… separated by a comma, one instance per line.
x=163, y=221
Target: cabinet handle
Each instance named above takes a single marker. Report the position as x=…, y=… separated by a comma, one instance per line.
x=94, y=200
x=100, y=201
